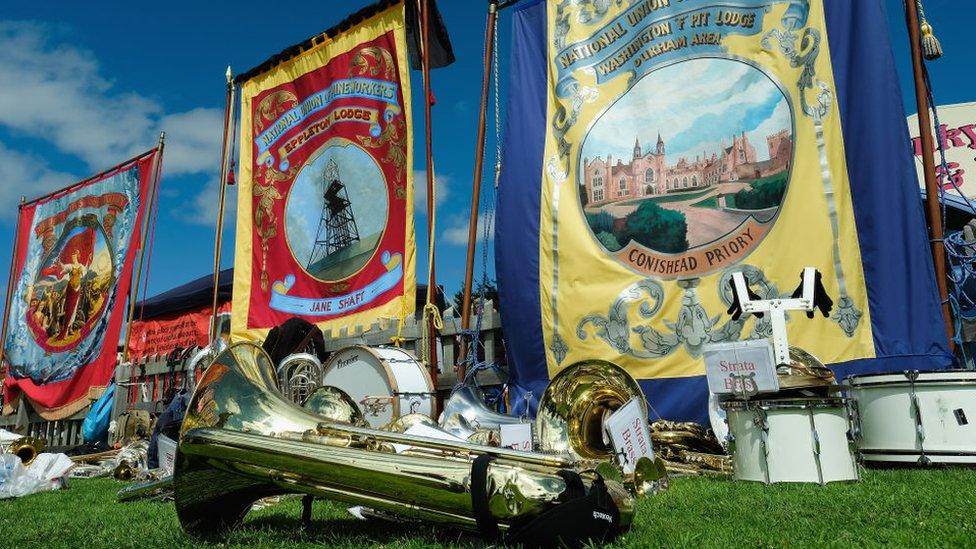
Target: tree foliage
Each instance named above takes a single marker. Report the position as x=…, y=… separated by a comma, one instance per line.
x=764, y=193
x=658, y=228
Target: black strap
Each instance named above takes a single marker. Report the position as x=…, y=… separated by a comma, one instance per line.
x=487, y=524
x=574, y=485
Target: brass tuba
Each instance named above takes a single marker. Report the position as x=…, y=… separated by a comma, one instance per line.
x=242, y=441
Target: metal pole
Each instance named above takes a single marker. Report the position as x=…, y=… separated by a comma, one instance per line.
x=146, y=219
x=933, y=211
x=10, y=290
x=479, y=154
x=224, y=169
x=429, y=142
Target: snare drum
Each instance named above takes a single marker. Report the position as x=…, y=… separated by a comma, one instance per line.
x=915, y=417
x=795, y=440
x=386, y=382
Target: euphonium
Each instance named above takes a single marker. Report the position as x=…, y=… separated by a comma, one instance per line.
x=26, y=448
x=465, y=414
x=241, y=441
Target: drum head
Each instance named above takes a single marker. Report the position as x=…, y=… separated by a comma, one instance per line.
x=716, y=417
x=366, y=377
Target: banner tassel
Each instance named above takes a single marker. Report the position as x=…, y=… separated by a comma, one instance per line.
x=931, y=48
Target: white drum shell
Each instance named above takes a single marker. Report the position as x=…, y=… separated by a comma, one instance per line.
x=887, y=425
x=790, y=452
x=387, y=382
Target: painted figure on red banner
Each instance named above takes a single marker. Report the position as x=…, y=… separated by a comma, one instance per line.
x=75, y=271
x=71, y=291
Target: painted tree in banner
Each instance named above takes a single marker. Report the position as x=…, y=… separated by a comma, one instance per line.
x=658, y=228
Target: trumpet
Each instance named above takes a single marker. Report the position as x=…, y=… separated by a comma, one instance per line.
x=26, y=448
x=242, y=441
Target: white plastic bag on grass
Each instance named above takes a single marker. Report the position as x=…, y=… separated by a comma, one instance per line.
x=16, y=480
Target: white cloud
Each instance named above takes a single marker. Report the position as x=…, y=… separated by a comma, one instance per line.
x=24, y=175
x=205, y=205
x=442, y=188
x=457, y=232
x=56, y=93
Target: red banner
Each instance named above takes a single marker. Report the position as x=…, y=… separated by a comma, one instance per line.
x=75, y=254
x=162, y=335
x=325, y=224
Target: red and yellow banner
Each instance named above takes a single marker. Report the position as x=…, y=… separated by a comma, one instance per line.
x=75, y=253
x=325, y=207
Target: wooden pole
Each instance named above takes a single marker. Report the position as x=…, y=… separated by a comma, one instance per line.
x=10, y=290
x=933, y=210
x=431, y=215
x=146, y=219
x=224, y=169
x=479, y=155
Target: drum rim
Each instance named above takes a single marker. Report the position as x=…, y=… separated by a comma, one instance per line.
x=851, y=379
x=895, y=452
x=390, y=378
x=820, y=402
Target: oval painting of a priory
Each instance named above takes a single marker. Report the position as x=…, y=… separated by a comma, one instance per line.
x=695, y=157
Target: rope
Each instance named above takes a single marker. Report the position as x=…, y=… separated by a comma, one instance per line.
x=398, y=340
x=472, y=365
x=431, y=315
x=152, y=240
x=959, y=250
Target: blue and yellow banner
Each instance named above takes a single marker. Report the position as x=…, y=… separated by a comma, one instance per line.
x=677, y=142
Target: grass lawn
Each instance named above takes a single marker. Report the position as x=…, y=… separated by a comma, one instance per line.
x=905, y=508
x=710, y=202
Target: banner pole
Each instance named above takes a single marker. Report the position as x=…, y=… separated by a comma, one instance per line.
x=10, y=290
x=933, y=212
x=146, y=218
x=224, y=169
x=423, y=9
x=479, y=156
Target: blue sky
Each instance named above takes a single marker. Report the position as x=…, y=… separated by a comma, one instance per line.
x=83, y=85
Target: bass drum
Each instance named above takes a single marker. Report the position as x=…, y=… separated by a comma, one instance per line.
x=915, y=417
x=386, y=382
x=796, y=440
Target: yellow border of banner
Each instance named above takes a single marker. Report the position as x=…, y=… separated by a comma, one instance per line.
x=315, y=58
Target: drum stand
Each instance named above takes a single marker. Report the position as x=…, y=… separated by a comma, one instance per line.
x=776, y=308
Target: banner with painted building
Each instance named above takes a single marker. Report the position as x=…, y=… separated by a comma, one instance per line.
x=655, y=147
x=75, y=252
x=325, y=206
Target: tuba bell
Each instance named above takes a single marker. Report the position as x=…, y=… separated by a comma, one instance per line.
x=26, y=448
x=334, y=404
x=576, y=404
x=242, y=441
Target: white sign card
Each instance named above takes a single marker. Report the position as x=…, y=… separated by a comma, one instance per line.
x=422, y=430
x=741, y=368
x=630, y=435
x=517, y=436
